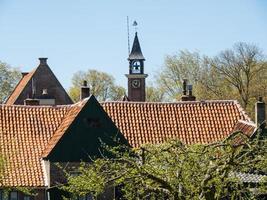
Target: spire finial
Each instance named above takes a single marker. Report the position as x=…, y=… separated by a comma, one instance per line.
x=135, y=25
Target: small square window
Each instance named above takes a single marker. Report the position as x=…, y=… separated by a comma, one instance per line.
x=93, y=122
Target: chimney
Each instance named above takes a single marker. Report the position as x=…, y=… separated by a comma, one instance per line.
x=85, y=90
x=31, y=102
x=184, y=86
x=190, y=93
x=260, y=112
x=24, y=73
x=189, y=96
x=43, y=61
x=184, y=96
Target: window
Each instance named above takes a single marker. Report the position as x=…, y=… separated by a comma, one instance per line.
x=13, y=195
x=86, y=197
x=93, y=122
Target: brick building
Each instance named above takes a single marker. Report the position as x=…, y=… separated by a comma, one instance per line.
x=33, y=138
x=40, y=84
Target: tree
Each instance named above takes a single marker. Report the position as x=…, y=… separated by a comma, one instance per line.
x=177, y=171
x=154, y=94
x=184, y=65
x=9, y=77
x=238, y=73
x=102, y=85
x=242, y=67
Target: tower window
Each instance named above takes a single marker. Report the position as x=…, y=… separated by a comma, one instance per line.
x=136, y=67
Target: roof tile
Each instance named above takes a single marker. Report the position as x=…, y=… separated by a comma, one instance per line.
x=26, y=131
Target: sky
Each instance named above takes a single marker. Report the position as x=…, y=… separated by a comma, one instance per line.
x=86, y=34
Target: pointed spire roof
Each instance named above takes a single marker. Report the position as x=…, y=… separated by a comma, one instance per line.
x=136, y=52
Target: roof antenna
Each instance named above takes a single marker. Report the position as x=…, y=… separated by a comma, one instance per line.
x=128, y=35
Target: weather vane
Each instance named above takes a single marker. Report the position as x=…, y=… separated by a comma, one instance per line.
x=135, y=25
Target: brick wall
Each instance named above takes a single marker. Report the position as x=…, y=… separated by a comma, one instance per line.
x=45, y=79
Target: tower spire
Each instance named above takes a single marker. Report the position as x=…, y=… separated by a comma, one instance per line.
x=136, y=76
x=136, y=53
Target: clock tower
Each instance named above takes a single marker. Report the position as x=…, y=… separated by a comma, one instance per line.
x=136, y=76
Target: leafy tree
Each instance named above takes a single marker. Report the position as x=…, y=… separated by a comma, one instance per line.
x=177, y=171
x=102, y=85
x=9, y=77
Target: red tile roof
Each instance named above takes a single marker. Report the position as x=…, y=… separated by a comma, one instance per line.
x=191, y=122
x=245, y=127
x=26, y=131
x=19, y=88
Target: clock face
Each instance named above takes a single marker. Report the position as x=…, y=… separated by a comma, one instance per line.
x=136, y=83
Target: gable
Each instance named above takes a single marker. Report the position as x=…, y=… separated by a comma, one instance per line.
x=82, y=133
x=43, y=78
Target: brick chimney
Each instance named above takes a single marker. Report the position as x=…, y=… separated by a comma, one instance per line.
x=43, y=61
x=85, y=91
x=260, y=112
x=189, y=88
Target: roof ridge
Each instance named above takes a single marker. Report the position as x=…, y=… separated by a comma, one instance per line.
x=241, y=110
x=250, y=123
x=36, y=106
x=177, y=102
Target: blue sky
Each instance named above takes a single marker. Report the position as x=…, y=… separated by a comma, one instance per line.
x=85, y=34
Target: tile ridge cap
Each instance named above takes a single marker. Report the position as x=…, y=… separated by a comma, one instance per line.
x=242, y=111
x=251, y=123
x=177, y=102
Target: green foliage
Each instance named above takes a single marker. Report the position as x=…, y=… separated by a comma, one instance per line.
x=9, y=77
x=154, y=94
x=176, y=171
x=102, y=85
